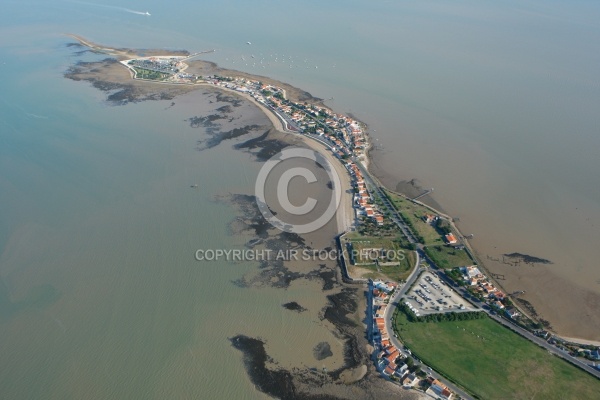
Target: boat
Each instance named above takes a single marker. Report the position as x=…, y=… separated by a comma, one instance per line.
x=147, y=13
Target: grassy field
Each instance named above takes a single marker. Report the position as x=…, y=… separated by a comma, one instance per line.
x=493, y=362
x=447, y=257
x=147, y=74
x=413, y=213
x=400, y=271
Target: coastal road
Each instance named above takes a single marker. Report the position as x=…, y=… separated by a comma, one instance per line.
x=541, y=342
x=399, y=293
x=389, y=312
x=394, y=301
x=391, y=209
x=523, y=332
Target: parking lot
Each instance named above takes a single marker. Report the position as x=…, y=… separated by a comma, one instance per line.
x=430, y=295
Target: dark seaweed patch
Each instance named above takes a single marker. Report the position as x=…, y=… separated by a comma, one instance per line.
x=293, y=306
x=217, y=136
x=225, y=98
x=262, y=147
x=322, y=351
x=277, y=383
x=517, y=258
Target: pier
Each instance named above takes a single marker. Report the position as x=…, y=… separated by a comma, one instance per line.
x=425, y=193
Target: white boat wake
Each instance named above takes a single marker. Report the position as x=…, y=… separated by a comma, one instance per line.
x=145, y=13
x=136, y=12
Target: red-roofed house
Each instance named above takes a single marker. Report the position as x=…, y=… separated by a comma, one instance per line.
x=451, y=239
x=392, y=357
x=439, y=390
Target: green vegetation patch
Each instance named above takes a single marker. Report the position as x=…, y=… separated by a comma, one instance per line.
x=364, y=250
x=448, y=257
x=147, y=74
x=413, y=214
x=440, y=317
x=493, y=362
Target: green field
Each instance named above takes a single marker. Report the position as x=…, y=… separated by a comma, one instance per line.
x=147, y=74
x=448, y=257
x=413, y=215
x=499, y=364
x=397, y=272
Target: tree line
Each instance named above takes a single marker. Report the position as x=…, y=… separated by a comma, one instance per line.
x=441, y=317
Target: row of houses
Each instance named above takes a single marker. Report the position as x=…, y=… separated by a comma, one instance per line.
x=363, y=199
x=346, y=136
x=389, y=360
x=481, y=284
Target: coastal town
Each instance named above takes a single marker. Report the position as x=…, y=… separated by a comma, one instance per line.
x=445, y=282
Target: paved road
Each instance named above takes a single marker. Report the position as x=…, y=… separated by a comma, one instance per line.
x=391, y=209
x=541, y=342
x=525, y=333
x=399, y=293
x=389, y=312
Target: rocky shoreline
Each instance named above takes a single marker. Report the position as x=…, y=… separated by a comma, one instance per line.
x=357, y=377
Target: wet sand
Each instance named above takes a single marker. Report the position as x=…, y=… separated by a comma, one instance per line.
x=274, y=365
x=572, y=314
x=555, y=291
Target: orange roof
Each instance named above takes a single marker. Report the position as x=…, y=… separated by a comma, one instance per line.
x=392, y=357
x=440, y=384
x=451, y=238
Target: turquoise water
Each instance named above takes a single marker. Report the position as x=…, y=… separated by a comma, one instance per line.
x=495, y=105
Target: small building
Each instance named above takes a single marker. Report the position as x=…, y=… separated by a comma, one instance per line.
x=403, y=368
x=429, y=218
x=498, y=295
x=439, y=391
x=410, y=380
x=392, y=357
x=451, y=239
x=511, y=313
